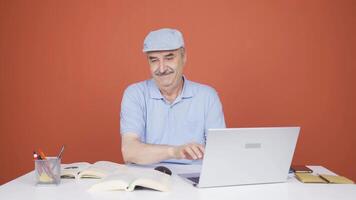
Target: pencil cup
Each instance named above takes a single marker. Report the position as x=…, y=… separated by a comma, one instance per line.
x=48, y=171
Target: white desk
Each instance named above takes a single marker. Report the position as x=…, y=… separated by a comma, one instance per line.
x=24, y=188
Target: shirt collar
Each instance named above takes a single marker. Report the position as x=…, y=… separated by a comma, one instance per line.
x=187, y=91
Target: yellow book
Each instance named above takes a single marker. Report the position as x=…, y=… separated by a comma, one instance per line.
x=309, y=178
x=322, y=178
x=336, y=179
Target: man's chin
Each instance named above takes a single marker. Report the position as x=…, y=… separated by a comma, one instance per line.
x=164, y=85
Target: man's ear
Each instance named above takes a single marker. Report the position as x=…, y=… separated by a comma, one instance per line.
x=184, y=54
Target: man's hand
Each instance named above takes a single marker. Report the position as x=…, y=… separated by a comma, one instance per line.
x=134, y=151
x=191, y=151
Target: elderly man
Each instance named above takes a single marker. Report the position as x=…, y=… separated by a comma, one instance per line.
x=167, y=117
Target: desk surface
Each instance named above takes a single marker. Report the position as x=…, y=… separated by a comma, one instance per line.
x=24, y=188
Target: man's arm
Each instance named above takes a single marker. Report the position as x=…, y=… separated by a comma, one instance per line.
x=134, y=151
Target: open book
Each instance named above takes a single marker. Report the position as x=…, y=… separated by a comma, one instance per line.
x=117, y=176
x=98, y=170
x=130, y=177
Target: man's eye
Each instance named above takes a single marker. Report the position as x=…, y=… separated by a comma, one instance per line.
x=170, y=58
x=153, y=60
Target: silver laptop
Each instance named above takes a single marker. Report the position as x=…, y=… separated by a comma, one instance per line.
x=239, y=156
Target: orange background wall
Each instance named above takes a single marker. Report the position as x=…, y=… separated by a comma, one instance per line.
x=64, y=66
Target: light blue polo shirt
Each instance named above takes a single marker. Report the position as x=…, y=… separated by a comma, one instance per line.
x=145, y=111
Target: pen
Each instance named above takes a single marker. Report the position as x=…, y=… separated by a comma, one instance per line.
x=45, y=164
x=39, y=168
x=61, y=152
x=35, y=155
x=42, y=155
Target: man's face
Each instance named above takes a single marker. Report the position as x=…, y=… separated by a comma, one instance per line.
x=167, y=67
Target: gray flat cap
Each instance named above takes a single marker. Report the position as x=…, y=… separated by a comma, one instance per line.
x=162, y=40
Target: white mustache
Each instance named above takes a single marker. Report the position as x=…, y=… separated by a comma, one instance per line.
x=168, y=71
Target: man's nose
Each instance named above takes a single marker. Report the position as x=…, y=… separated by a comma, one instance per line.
x=162, y=66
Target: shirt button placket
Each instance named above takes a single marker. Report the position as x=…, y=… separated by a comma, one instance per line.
x=171, y=122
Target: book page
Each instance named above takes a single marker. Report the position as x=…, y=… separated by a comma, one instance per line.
x=127, y=178
x=112, y=182
x=150, y=178
x=100, y=169
x=117, y=181
x=70, y=171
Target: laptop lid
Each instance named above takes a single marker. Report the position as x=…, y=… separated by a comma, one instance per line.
x=236, y=156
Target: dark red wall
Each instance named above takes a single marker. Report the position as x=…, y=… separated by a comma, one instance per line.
x=64, y=66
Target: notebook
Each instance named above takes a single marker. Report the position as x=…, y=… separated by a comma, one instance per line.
x=322, y=178
x=239, y=156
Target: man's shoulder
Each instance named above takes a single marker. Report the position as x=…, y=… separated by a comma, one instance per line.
x=137, y=87
x=200, y=88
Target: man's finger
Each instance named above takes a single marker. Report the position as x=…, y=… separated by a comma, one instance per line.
x=190, y=152
x=187, y=156
x=183, y=155
x=202, y=148
x=197, y=151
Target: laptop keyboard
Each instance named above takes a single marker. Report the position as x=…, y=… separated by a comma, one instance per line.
x=194, y=179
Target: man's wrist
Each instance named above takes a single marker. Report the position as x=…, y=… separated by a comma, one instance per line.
x=171, y=152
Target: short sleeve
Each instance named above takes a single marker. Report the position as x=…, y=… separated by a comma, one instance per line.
x=214, y=115
x=132, y=115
